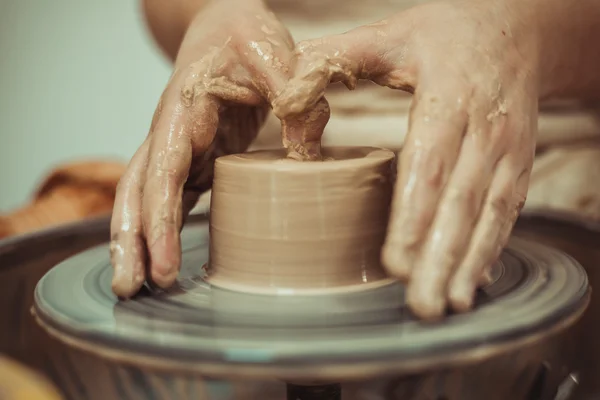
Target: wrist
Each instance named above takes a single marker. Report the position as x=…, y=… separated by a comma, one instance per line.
x=214, y=24
x=169, y=21
x=193, y=9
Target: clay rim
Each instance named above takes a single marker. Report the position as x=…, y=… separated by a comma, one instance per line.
x=364, y=155
x=215, y=363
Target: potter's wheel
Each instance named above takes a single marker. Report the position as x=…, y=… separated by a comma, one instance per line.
x=536, y=290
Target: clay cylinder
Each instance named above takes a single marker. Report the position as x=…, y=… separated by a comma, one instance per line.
x=283, y=226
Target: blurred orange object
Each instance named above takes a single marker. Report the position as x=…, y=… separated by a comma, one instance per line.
x=19, y=383
x=70, y=193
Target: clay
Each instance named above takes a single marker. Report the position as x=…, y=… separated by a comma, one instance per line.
x=284, y=226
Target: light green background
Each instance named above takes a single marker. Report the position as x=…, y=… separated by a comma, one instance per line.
x=78, y=79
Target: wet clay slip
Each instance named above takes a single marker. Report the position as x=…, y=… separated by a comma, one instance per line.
x=284, y=226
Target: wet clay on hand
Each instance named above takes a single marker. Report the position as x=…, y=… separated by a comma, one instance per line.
x=278, y=225
x=464, y=168
x=231, y=63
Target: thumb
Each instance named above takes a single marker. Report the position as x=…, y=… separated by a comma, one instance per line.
x=366, y=52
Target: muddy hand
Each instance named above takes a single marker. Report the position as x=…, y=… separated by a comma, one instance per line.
x=465, y=165
x=230, y=64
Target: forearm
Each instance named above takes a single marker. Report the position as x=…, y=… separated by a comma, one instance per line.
x=567, y=35
x=169, y=20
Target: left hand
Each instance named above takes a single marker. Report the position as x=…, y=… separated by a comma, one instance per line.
x=465, y=166
x=232, y=60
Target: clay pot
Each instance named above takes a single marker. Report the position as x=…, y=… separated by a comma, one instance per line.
x=284, y=226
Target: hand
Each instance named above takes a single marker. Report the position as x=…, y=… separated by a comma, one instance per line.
x=465, y=165
x=232, y=61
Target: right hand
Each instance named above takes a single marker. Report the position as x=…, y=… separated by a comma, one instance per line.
x=465, y=164
x=232, y=62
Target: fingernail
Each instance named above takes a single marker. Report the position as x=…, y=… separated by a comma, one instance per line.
x=121, y=282
x=425, y=305
x=463, y=304
x=430, y=311
x=163, y=272
x=395, y=262
x=486, y=277
x=462, y=298
x=164, y=278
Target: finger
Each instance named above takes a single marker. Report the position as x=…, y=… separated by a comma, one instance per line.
x=453, y=224
x=217, y=75
x=268, y=60
x=268, y=65
x=362, y=53
x=438, y=120
x=128, y=248
x=185, y=131
x=504, y=201
x=358, y=54
x=486, y=277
